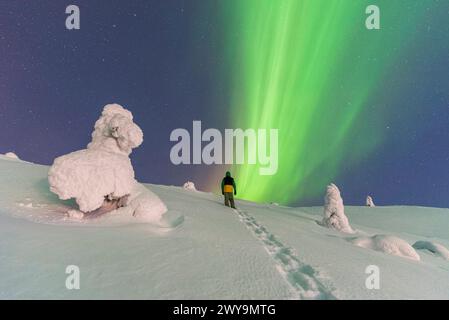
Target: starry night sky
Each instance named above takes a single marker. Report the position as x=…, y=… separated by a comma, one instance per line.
x=163, y=60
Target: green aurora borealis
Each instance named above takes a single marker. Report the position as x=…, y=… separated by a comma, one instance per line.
x=308, y=68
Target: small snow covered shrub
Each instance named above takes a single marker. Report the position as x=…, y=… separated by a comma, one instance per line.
x=387, y=244
x=102, y=175
x=189, y=185
x=435, y=248
x=334, y=211
x=11, y=155
x=370, y=202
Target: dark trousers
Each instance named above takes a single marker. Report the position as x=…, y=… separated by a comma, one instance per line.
x=229, y=197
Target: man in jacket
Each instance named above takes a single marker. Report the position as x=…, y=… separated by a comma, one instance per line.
x=228, y=189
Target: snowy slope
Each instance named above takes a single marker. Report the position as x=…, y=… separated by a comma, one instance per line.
x=205, y=250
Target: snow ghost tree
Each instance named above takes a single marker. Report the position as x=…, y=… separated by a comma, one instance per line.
x=334, y=211
x=101, y=177
x=189, y=185
x=370, y=202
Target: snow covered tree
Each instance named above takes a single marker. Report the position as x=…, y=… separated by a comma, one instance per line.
x=189, y=185
x=11, y=155
x=369, y=202
x=101, y=177
x=334, y=211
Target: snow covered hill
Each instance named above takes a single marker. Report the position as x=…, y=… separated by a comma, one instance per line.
x=203, y=250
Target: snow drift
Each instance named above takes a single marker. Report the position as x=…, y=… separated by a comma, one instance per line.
x=435, y=248
x=101, y=177
x=334, y=211
x=258, y=257
x=387, y=244
x=12, y=155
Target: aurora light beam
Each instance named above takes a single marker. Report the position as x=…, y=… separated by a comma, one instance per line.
x=307, y=67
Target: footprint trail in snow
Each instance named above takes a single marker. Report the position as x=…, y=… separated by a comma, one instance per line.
x=301, y=277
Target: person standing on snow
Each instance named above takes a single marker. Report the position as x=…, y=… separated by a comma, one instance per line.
x=228, y=189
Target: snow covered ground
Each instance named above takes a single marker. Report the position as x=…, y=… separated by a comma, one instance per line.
x=203, y=250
